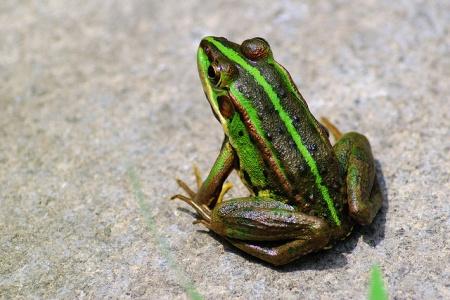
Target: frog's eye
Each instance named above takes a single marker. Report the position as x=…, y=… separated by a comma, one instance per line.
x=221, y=73
x=213, y=74
x=255, y=48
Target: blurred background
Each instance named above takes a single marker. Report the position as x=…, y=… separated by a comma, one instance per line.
x=101, y=109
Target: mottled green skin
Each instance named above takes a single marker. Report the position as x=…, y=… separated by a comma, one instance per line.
x=305, y=193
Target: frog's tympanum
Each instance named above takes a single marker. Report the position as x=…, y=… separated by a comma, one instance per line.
x=306, y=194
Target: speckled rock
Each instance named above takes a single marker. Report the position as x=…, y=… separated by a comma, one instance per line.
x=101, y=108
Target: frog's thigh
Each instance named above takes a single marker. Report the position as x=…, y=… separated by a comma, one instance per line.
x=355, y=157
x=268, y=229
x=282, y=253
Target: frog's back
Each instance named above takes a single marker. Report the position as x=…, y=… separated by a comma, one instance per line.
x=299, y=159
x=299, y=162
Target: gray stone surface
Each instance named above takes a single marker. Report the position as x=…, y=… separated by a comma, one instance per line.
x=101, y=108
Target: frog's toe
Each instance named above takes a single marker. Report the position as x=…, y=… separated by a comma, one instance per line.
x=183, y=198
x=186, y=188
x=204, y=214
x=198, y=176
x=204, y=222
x=202, y=210
x=180, y=197
x=225, y=188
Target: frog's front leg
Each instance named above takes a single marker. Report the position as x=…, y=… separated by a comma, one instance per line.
x=269, y=229
x=356, y=162
x=213, y=188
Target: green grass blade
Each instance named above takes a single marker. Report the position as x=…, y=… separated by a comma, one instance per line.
x=377, y=290
x=162, y=244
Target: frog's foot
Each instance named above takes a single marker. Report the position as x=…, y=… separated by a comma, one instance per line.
x=331, y=128
x=194, y=199
x=198, y=176
x=202, y=210
x=225, y=188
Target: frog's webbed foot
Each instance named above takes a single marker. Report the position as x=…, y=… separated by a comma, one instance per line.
x=202, y=210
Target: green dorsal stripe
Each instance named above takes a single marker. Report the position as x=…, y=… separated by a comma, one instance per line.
x=256, y=123
x=234, y=56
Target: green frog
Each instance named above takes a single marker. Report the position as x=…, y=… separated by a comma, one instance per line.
x=305, y=193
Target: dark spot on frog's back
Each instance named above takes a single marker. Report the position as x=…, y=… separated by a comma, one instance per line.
x=269, y=110
x=323, y=170
x=302, y=169
x=312, y=147
x=293, y=145
x=280, y=130
x=336, y=185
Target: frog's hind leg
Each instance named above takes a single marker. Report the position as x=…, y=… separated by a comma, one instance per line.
x=279, y=254
x=357, y=165
x=269, y=229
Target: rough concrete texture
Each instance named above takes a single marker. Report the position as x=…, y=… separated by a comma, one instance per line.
x=101, y=108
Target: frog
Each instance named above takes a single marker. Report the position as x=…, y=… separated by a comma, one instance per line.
x=305, y=193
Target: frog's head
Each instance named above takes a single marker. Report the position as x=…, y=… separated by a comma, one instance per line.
x=220, y=68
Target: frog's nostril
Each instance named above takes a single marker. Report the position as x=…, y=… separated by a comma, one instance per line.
x=208, y=49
